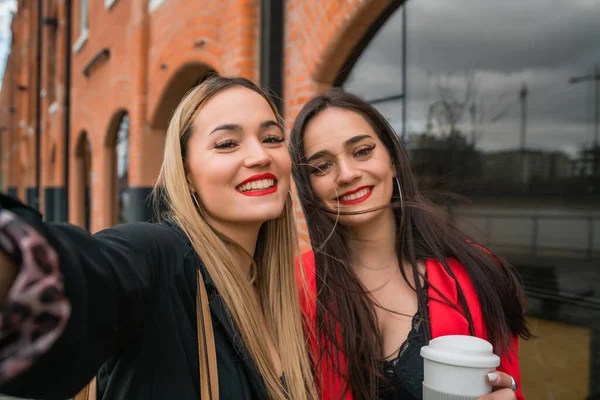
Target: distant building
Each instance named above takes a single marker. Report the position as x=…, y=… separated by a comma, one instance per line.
x=522, y=167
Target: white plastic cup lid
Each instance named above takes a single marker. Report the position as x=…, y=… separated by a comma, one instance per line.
x=461, y=350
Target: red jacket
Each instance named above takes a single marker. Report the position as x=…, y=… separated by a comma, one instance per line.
x=444, y=320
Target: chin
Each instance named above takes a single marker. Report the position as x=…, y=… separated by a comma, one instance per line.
x=264, y=213
x=358, y=219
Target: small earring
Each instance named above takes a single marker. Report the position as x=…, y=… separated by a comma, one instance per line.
x=196, y=201
x=399, y=189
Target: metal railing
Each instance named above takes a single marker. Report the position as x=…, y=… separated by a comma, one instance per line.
x=534, y=246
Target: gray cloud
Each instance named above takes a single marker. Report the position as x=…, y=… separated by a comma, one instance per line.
x=503, y=44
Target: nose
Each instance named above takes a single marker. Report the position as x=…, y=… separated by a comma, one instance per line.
x=258, y=155
x=347, y=173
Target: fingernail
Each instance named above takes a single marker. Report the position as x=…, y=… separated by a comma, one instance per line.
x=493, y=377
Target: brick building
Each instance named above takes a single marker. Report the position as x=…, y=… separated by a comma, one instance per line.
x=110, y=78
x=90, y=84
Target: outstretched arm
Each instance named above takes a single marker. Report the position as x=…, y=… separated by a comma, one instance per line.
x=71, y=299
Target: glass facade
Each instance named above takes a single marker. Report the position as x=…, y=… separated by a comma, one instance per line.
x=499, y=102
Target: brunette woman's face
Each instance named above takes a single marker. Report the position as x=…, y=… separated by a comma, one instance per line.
x=238, y=164
x=350, y=169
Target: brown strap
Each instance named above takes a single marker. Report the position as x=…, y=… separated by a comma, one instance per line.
x=88, y=392
x=207, y=355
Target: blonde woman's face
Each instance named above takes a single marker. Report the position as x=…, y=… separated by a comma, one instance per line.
x=237, y=163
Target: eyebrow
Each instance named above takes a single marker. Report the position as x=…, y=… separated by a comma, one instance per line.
x=236, y=127
x=349, y=142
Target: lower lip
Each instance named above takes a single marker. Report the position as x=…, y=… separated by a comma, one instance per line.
x=358, y=200
x=264, y=192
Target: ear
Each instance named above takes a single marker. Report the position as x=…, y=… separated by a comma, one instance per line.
x=189, y=183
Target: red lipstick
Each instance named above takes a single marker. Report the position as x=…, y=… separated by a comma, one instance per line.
x=358, y=199
x=258, y=192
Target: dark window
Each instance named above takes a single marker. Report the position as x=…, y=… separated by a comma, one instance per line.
x=122, y=152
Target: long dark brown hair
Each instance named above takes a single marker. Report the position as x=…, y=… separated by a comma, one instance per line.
x=423, y=232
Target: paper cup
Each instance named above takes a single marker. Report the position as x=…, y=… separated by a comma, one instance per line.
x=455, y=368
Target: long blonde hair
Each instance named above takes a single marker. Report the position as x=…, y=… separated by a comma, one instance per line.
x=274, y=255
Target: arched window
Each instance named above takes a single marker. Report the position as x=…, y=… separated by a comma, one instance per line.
x=122, y=181
x=83, y=181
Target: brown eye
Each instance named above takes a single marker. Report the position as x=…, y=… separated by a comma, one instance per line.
x=225, y=144
x=319, y=169
x=364, y=151
x=273, y=139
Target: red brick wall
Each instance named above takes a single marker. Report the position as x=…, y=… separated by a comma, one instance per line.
x=52, y=125
x=154, y=58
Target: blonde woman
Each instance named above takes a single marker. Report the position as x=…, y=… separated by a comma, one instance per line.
x=120, y=304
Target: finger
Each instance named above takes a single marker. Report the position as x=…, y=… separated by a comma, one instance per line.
x=502, y=394
x=499, y=379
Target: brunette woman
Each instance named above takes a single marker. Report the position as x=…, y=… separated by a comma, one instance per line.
x=389, y=271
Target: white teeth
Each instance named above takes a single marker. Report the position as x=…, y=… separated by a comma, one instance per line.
x=257, y=185
x=357, y=195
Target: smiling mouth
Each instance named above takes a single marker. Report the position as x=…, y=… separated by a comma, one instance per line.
x=357, y=196
x=259, y=187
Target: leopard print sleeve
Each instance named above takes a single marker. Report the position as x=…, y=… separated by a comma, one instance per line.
x=35, y=311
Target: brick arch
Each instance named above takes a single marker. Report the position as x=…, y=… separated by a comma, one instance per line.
x=196, y=42
x=52, y=164
x=110, y=138
x=81, y=214
x=81, y=141
x=354, y=21
x=319, y=45
x=109, y=153
x=180, y=81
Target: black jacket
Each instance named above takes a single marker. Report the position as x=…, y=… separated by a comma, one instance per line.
x=132, y=290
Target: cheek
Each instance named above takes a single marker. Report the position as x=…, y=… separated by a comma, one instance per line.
x=207, y=174
x=321, y=186
x=285, y=163
x=284, y=167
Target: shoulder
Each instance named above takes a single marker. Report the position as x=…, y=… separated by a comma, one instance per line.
x=306, y=260
x=158, y=243
x=445, y=281
x=143, y=233
x=453, y=272
x=305, y=268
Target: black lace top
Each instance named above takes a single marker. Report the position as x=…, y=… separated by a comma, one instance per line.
x=405, y=372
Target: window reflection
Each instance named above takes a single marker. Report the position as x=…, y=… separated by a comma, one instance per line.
x=500, y=102
x=122, y=148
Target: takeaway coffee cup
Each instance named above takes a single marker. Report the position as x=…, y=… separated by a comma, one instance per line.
x=455, y=368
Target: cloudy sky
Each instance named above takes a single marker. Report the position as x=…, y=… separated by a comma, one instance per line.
x=501, y=44
x=6, y=8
